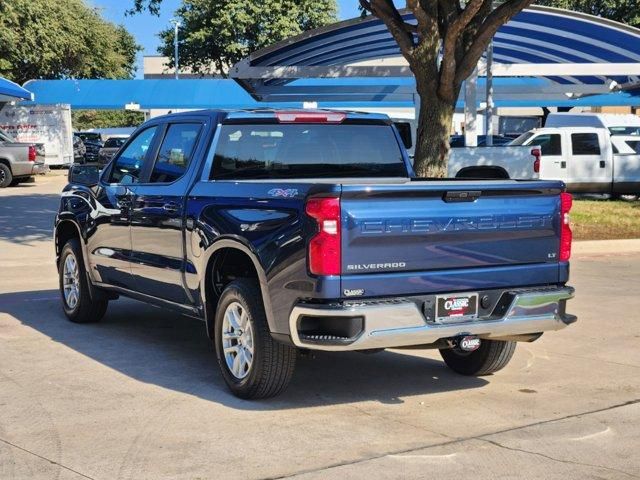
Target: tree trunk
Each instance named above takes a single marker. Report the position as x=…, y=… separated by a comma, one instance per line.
x=434, y=129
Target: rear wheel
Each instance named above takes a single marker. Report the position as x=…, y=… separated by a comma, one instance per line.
x=253, y=364
x=77, y=303
x=6, y=177
x=491, y=356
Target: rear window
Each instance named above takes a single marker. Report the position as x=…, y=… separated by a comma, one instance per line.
x=114, y=142
x=247, y=151
x=91, y=137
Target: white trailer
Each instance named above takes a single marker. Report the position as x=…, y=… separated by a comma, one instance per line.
x=49, y=125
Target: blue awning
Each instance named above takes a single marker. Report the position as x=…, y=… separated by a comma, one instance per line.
x=347, y=93
x=10, y=91
x=161, y=94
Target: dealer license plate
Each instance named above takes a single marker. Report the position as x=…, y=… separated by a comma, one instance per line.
x=456, y=308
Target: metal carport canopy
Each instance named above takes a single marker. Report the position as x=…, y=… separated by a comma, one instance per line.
x=147, y=94
x=578, y=54
x=10, y=92
x=350, y=93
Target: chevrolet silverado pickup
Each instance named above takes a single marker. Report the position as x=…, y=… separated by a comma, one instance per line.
x=308, y=230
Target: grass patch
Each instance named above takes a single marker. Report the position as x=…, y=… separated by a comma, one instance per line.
x=605, y=219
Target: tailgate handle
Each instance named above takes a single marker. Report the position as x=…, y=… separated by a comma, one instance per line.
x=462, y=196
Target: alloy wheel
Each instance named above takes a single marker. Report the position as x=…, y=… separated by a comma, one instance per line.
x=71, y=281
x=237, y=340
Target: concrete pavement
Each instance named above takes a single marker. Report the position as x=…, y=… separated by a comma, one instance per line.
x=139, y=395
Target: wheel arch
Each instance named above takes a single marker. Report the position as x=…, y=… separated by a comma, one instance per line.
x=219, y=256
x=65, y=230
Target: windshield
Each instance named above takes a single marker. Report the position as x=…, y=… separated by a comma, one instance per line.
x=624, y=130
x=114, y=142
x=307, y=151
x=522, y=138
x=5, y=137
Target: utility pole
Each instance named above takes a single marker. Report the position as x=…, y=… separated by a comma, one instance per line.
x=176, y=25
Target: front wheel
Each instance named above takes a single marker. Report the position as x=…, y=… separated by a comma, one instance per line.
x=491, y=356
x=77, y=303
x=253, y=364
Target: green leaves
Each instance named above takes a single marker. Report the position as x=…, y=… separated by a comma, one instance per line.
x=61, y=39
x=85, y=119
x=218, y=33
x=624, y=11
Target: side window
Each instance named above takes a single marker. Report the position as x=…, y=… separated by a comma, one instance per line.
x=635, y=145
x=175, y=152
x=549, y=144
x=129, y=164
x=585, y=144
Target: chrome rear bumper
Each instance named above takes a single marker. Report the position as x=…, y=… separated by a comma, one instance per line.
x=400, y=323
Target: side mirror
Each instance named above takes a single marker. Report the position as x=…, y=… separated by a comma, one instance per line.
x=84, y=174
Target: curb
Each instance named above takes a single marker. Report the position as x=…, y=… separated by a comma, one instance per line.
x=605, y=247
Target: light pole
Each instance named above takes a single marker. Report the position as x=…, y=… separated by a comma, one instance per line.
x=176, y=25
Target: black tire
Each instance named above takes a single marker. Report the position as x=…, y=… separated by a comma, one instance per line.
x=491, y=356
x=6, y=177
x=86, y=309
x=272, y=363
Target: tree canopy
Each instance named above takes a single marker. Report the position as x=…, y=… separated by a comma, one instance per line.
x=62, y=39
x=624, y=11
x=215, y=34
x=443, y=48
x=86, y=119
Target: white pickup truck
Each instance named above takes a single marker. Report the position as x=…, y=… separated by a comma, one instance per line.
x=591, y=153
x=587, y=159
x=519, y=162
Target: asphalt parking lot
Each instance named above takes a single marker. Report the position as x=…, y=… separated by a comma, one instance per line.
x=139, y=395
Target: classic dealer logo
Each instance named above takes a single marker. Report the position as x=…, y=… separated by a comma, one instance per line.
x=456, y=304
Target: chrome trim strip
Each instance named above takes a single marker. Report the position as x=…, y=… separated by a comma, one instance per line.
x=401, y=323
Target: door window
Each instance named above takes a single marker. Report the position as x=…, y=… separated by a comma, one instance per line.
x=635, y=145
x=175, y=152
x=549, y=144
x=585, y=144
x=129, y=163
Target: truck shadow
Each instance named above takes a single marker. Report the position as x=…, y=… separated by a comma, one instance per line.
x=159, y=347
x=27, y=218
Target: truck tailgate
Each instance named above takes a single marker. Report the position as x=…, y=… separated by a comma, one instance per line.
x=476, y=234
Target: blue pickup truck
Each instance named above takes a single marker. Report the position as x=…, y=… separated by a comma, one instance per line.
x=308, y=230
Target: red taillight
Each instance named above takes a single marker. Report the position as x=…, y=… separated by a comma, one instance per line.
x=566, y=200
x=32, y=153
x=536, y=163
x=310, y=117
x=324, y=247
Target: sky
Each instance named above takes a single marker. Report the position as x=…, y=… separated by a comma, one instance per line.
x=145, y=26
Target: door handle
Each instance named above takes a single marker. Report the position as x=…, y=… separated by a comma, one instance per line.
x=563, y=164
x=602, y=163
x=170, y=207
